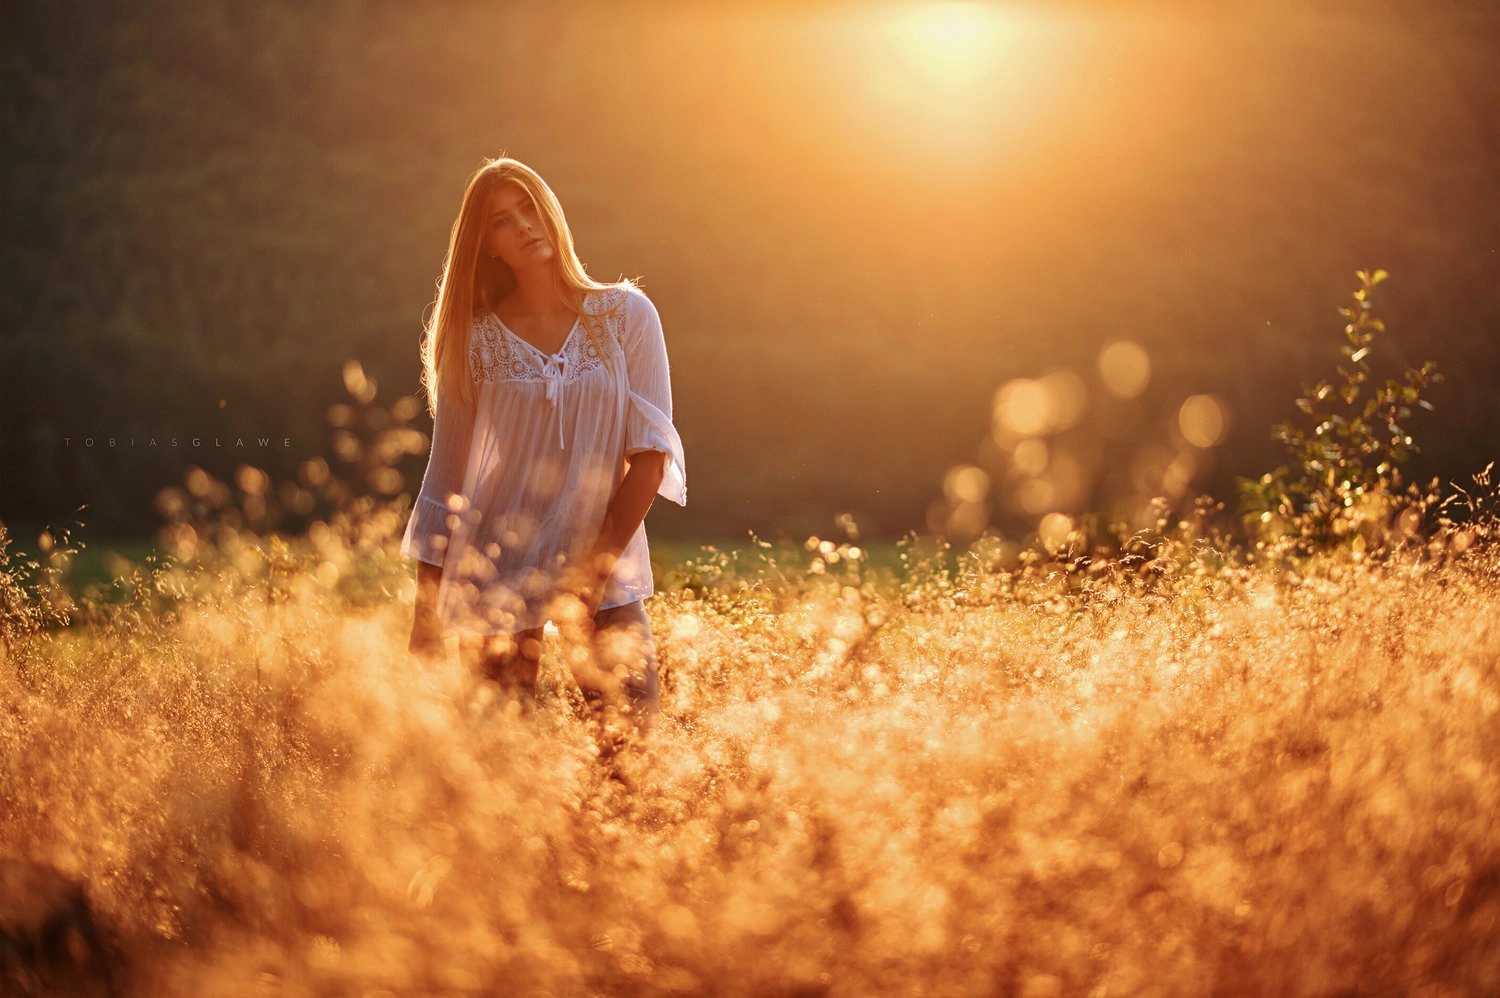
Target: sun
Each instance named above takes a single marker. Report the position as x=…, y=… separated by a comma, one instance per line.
x=952, y=41
x=963, y=77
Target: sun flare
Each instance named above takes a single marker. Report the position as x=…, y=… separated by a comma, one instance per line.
x=970, y=78
x=952, y=42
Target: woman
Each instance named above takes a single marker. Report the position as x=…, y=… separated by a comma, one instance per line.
x=552, y=435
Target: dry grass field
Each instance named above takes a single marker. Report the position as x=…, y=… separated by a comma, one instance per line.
x=953, y=778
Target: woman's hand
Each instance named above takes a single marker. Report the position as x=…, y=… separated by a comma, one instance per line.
x=426, y=627
x=586, y=580
x=426, y=634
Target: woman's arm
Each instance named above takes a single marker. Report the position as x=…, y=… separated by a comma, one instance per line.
x=653, y=449
x=628, y=509
x=428, y=578
x=649, y=425
x=430, y=527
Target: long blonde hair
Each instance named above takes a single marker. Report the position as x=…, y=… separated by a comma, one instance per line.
x=472, y=282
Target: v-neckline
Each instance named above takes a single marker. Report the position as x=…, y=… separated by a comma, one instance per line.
x=536, y=349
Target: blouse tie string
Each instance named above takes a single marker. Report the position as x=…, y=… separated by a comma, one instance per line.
x=552, y=372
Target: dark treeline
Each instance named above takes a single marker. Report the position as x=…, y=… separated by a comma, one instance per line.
x=210, y=207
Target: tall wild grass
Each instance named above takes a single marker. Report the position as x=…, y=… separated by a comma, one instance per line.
x=1174, y=766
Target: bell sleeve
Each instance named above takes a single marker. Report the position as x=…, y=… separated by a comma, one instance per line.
x=432, y=520
x=648, y=424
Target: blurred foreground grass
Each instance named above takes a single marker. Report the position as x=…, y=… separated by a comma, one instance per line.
x=939, y=777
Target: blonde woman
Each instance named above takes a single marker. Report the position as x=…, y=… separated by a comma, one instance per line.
x=552, y=436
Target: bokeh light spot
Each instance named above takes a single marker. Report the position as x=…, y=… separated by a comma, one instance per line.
x=1125, y=367
x=966, y=483
x=1203, y=420
x=1054, y=530
x=1024, y=406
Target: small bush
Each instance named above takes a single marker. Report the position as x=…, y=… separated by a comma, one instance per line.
x=1343, y=486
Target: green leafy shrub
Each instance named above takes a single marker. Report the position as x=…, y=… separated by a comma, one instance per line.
x=1343, y=485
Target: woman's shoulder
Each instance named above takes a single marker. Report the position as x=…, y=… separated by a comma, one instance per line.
x=482, y=322
x=609, y=299
x=637, y=309
x=624, y=308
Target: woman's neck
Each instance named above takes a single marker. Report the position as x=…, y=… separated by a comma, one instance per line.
x=536, y=294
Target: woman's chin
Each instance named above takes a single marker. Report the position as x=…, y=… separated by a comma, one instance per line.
x=533, y=260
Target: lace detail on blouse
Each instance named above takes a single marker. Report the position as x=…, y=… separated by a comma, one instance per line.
x=495, y=356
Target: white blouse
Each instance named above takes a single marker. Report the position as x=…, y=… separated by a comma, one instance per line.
x=518, y=483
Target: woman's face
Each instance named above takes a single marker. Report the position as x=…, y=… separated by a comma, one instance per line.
x=514, y=231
